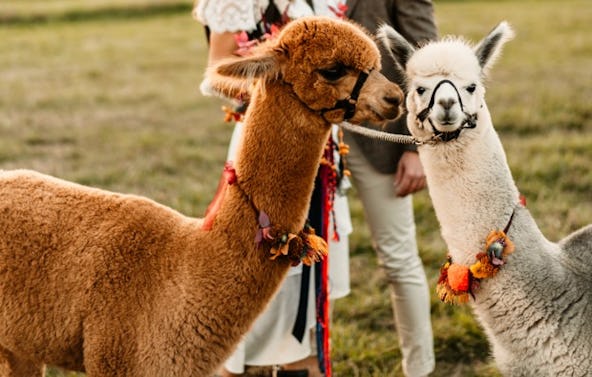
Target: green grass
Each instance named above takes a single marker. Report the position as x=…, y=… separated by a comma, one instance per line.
x=112, y=100
x=25, y=12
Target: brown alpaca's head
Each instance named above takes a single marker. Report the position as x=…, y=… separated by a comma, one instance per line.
x=331, y=66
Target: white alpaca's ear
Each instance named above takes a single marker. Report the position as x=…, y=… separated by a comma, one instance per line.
x=395, y=44
x=490, y=47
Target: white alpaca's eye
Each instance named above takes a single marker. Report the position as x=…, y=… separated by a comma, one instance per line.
x=471, y=88
x=420, y=90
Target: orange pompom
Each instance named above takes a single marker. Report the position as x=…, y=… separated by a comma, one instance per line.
x=458, y=277
x=317, y=249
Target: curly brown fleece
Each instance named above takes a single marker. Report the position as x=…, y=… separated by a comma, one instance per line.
x=119, y=285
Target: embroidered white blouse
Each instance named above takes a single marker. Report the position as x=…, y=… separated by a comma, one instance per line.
x=238, y=15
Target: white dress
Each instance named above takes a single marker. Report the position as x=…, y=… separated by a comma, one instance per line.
x=270, y=340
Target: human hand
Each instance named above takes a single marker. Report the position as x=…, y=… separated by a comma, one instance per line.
x=410, y=177
x=222, y=45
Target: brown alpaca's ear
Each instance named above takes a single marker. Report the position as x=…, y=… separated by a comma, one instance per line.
x=236, y=76
x=263, y=66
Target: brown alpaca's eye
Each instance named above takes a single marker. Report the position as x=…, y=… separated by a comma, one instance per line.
x=333, y=73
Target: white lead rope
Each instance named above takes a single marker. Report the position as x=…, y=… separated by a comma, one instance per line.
x=380, y=135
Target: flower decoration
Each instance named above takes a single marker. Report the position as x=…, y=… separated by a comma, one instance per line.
x=343, y=150
x=281, y=244
x=339, y=10
x=274, y=31
x=244, y=43
x=305, y=247
x=231, y=114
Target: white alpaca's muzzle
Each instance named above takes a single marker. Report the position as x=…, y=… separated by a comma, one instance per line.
x=449, y=117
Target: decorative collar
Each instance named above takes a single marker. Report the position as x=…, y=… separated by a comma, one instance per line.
x=304, y=246
x=457, y=282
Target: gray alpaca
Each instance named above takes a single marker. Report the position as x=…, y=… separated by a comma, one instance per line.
x=537, y=310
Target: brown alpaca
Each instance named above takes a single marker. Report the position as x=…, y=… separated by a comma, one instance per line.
x=118, y=285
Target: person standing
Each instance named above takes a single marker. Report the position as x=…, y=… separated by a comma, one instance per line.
x=385, y=175
x=232, y=27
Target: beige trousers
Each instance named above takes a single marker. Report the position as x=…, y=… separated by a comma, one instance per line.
x=392, y=227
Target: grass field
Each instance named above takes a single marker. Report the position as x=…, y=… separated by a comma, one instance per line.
x=113, y=102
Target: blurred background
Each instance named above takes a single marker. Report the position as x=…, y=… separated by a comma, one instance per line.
x=105, y=93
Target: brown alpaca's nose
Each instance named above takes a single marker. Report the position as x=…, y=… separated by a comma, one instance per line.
x=395, y=101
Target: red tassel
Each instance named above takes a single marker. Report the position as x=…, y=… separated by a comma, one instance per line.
x=228, y=177
x=329, y=184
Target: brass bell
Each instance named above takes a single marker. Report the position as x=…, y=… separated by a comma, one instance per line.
x=495, y=249
x=284, y=238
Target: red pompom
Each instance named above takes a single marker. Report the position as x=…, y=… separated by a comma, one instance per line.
x=458, y=277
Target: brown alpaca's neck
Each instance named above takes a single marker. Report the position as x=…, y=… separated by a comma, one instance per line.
x=279, y=158
x=276, y=166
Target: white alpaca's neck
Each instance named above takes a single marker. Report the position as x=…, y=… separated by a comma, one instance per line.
x=471, y=187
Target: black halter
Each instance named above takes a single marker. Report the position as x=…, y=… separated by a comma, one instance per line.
x=349, y=104
x=470, y=120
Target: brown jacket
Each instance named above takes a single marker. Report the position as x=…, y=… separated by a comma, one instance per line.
x=414, y=19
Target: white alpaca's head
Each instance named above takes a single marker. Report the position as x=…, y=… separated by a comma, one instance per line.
x=445, y=79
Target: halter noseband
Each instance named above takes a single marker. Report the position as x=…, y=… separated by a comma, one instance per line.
x=349, y=104
x=470, y=119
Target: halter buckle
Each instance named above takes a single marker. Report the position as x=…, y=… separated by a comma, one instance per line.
x=349, y=104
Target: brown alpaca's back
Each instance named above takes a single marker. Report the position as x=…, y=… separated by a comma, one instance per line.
x=67, y=248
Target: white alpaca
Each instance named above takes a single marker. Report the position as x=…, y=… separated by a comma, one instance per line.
x=118, y=285
x=537, y=310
